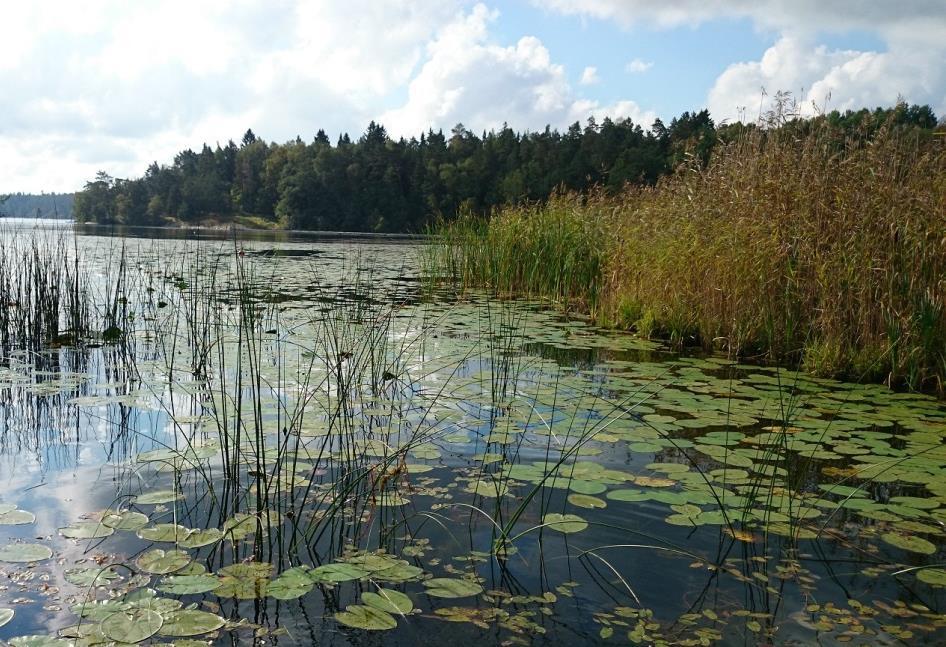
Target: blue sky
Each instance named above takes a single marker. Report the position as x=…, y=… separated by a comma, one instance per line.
x=111, y=85
x=686, y=60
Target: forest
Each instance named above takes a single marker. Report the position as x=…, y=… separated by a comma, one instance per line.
x=36, y=205
x=377, y=183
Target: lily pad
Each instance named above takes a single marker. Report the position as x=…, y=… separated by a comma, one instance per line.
x=86, y=530
x=91, y=576
x=6, y=615
x=932, y=576
x=188, y=584
x=169, y=532
x=565, y=523
x=198, y=538
x=364, y=617
x=244, y=581
x=15, y=517
x=909, y=542
x=389, y=601
x=127, y=520
x=40, y=641
x=445, y=587
x=132, y=625
x=334, y=573
x=23, y=553
x=291, y=584
x=161, y=562
x=190, y=622
x=586, y=501
x=159, y=496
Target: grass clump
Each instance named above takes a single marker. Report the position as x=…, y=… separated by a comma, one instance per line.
x=803, y=243
x=549, y=250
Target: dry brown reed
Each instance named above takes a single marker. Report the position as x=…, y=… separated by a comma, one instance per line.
x=804, y=243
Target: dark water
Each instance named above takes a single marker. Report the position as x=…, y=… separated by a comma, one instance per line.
x=431, y=444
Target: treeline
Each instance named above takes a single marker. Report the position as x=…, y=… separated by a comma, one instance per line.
x=376, y=183
x=31, y=205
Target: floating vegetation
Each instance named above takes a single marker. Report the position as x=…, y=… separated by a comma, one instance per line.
x=352, y=456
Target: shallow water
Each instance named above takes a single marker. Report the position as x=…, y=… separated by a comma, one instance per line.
x=522, y=477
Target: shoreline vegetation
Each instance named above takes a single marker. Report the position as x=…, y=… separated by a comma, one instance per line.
x=805, y=242
x=376, y=183
x=815, y=242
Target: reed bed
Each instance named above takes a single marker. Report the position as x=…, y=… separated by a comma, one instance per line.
x=797, y=244
x=42, y=292
x=541, y=250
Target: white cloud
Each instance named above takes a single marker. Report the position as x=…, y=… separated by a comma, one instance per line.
x=916, y=19
x=822, y=78
x=638, y=66
x=470, y=79
x=112, y=85
x=910, y=66
x=589, y=76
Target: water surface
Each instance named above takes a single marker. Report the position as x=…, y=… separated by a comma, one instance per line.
x=318, y=436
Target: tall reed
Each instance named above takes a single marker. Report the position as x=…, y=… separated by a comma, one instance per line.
x=800, y=243
x=532, y=249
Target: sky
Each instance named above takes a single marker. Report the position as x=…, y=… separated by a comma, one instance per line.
x=114, y=85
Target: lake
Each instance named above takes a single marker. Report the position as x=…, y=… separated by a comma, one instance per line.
x=300, y=440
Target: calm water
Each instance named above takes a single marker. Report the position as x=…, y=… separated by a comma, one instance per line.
x=326, y=453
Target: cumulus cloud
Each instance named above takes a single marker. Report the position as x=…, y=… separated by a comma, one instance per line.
x=589, y=76
x=638, y=66
x=112, y=85
x=470, y=79
x=911, y=65
x=918, y=19
x=821, y=78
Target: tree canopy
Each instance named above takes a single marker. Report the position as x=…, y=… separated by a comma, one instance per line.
x=377, y=183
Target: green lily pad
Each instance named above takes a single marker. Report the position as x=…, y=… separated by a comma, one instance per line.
x=86, y=530
x=40, y=641
x=565, y=523
x=915, y=502
x=586, y=501
x=628, y=495
x=23, y=553
x=334, y=573
x=190, y=622
x=932, y=576
x=586, y=487
x=842, y=490
x=132, y=625
x=127, y=520
x=159, y=496
x=188, y=584
x=244, y=581
x=91, y=576
x=445, y=587
x=168, y=532
x=6, y=615
x=14, y=517
x=291, y=584
x=161, y=562
x=199, y=538
x=389, y=601
x=909, y=542
x=364, y=617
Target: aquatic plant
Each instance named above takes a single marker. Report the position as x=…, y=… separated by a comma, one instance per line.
x=328, y=453
x=800, y=244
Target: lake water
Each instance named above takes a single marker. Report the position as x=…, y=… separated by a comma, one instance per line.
x=292, y=440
